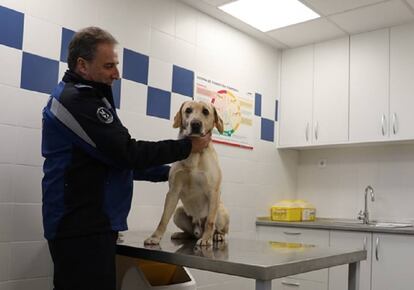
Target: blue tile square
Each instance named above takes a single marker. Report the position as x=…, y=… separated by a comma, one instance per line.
x=116, y=92
x=135, y=66
x=11, y=27
x=257, y=104
x=183, y=81
x=268, y=130
x=276, y=110
x=158, y=103
x=39, y=73
x=66, y=38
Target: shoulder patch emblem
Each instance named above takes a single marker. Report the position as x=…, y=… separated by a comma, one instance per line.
x=104, y=115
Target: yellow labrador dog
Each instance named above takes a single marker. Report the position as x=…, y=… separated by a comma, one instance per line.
x=196, y=181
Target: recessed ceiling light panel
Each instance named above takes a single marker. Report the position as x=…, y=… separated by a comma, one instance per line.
x=267, y=15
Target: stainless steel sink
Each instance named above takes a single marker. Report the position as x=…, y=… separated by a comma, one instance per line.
x=372, y=223
x=389, y=224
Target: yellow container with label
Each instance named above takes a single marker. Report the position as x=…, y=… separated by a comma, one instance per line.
x=308, y=210
x=286, y=211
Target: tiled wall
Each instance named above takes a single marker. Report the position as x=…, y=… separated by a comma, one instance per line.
x=163, y=45
x=338, y=189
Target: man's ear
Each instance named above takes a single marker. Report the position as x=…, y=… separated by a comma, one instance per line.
x=218, y=121
x=81, y=67
x=178, y=119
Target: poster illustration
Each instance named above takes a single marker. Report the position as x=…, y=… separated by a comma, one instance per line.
x=235, y=108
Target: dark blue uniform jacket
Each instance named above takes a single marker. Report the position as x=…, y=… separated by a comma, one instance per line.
x=91, y=161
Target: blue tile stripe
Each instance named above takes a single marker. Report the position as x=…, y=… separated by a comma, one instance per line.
x=41, y=74
x=258, y=104
x=11, y=27
x=67, y=35
x=38, y=73
x=183, y=81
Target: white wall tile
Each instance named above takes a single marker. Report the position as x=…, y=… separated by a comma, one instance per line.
x=160, y=74
x=26, y=184
x=133, y=97
x=11, y=59
x=185, y=23
x=30, y=108
x=63, y=66
x=6, y=210
x=6, y=194
x=8, y=135
x=5, y=255
x=29, y=147
x=30, y=260
x=184, y=54
x=161, y=46
x=27, y=222
x=37, y=33
x=9, y=97
x=18, y=5
x=176, y=101
x=163, y=16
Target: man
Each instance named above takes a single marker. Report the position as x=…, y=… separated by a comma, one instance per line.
x=90, y=164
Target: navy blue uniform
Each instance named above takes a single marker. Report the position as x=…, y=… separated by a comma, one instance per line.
x=91, y=162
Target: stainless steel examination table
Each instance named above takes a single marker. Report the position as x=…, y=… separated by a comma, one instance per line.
x=259, y=260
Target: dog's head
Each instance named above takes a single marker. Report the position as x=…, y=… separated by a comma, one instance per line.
x=197, y=119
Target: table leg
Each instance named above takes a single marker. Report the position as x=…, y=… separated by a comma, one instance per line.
x=353, y=276
x=263, y=284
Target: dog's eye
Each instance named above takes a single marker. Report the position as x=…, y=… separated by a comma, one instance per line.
x=205, y=112
x=188, y=110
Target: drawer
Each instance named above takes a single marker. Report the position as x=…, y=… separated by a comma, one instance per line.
x=298, y=235
x=298, y=284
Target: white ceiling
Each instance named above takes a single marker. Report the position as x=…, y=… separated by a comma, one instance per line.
x=338, y=18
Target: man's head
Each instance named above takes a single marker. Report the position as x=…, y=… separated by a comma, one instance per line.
x=92, y=55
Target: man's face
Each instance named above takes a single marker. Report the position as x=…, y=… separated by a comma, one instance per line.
x=103, y=68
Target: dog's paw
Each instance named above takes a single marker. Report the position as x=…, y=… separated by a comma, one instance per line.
x=217, y=237
x=152, y=241
x=204, y=242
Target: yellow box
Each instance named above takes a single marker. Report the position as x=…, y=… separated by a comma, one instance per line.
x=286, y=214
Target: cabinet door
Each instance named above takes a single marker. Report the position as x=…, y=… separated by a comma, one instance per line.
x=369, y=85
x=338, y=276
x=296, y=96
x=401, y=82
x=331, y=87
x=298, y=236
x=392, y=262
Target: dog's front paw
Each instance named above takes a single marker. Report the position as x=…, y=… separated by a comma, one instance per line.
x=218, y=237
x=204, y=242
x=152, y=241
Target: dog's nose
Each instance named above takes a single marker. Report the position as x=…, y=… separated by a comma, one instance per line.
x=196, y=127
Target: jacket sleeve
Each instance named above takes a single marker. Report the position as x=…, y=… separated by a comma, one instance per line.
x=154, y=174
x=111, y=140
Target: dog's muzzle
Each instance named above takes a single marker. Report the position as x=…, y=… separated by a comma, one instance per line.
x=196, y=127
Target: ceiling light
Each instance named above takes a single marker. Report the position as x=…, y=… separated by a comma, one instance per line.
x=267, y=15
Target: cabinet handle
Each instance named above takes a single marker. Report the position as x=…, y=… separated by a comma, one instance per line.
x=316, y=130
x=365, y=243
x=383, y=120
x=307, y=132
x=291, y=284
x=394, y=123
x=292, y=233
x=376, y=249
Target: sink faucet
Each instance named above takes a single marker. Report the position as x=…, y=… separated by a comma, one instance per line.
x=364, y=215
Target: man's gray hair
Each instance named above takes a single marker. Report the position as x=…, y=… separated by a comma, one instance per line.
x=84, y=44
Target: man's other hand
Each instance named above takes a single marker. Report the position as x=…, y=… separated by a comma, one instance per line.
x=200, y=143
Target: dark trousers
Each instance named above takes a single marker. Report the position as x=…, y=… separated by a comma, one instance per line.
x=84, y=263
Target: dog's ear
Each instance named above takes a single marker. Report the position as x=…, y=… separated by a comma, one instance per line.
x=218, y=121
x=178, y=119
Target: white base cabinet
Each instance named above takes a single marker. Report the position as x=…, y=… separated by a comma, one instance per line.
x=389, y=264
x=338, y=276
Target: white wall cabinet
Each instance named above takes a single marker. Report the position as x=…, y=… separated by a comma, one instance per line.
x=314, y=94
x=392, y=262
x=296, y=96
x=338, y=276
x=401, y=82
x=369, y=86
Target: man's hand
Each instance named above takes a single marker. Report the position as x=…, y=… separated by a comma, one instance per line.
x=200, y=143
